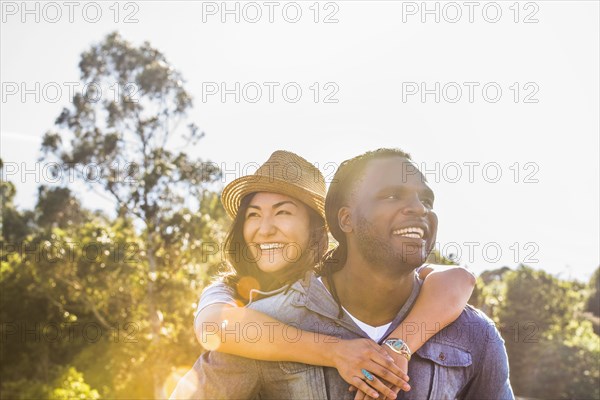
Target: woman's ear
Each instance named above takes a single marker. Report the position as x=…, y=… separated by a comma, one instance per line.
x=345, y=219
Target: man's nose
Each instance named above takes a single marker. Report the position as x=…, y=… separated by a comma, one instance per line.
x=415, y=206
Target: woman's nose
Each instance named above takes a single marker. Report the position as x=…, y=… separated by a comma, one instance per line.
x=267, y=227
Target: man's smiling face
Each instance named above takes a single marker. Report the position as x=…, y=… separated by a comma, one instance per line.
x=392, y=216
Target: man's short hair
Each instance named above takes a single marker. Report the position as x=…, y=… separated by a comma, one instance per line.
x=346, y=178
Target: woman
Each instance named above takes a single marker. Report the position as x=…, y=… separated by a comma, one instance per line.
x=277, y=236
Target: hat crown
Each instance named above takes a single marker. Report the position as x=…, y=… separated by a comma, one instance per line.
x=285, y=173
x=286, y=166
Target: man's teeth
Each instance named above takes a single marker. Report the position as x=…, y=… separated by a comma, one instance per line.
x=271, y=246
x=410, y=232
x=412, y=235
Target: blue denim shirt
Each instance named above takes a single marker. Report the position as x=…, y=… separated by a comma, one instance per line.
x=466, y=360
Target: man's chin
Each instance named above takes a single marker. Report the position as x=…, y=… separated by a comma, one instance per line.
x=412, y=256
x=411, y=261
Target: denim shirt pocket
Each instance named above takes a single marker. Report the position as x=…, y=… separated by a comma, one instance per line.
x=450, y=368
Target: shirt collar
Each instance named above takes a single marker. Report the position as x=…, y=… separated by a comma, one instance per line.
x=315, y=297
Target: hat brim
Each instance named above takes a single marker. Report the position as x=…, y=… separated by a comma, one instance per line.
x=235, y=191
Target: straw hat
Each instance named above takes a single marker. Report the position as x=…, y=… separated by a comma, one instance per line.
x=285, y=173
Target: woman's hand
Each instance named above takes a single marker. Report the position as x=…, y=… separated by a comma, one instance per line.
x=401, y=362
x=350, y=357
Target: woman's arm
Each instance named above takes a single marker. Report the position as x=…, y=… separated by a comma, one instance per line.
x=443, y=296
x=220, y=327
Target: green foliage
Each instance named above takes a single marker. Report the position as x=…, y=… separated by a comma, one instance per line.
x=82, y=302
x=553, y=351
x=489, y=292
x=534, y=296
x=593, y=302
x=565, y=369
x=71, y=385
x=14, y=224
x=24, y=389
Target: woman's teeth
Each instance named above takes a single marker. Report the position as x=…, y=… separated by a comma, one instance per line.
x=271, y=246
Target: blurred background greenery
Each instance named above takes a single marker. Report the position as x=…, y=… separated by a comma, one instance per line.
x=99, y=306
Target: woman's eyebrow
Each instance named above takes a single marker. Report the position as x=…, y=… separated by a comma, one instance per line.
x=281, y=203
x=276, y=205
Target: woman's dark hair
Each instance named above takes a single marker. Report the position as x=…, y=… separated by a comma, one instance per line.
x=347, y=176
x=239, y=264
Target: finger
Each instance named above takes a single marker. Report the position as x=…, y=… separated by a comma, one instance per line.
x=362, y=386
x=361, y=396
x=395, y=389
x=387, y=360
x=381, y=356
x=388, y=376
x=369, y=397
x=389, y=365
x=381, y=388
x=352, y=389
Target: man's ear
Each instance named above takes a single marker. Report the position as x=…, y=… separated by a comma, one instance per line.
x=345, y=219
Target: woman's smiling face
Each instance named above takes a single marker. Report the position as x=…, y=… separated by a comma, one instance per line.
x=276, y=229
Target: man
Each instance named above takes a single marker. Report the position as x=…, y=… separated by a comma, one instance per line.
x=379, y=209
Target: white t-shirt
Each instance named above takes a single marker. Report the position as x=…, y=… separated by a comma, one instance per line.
x=374, y=332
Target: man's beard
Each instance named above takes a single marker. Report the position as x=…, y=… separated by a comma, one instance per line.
x=379, y=252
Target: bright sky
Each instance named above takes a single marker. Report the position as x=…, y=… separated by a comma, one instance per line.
x=376, y=61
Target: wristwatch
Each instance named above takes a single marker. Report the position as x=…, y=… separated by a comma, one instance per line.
x=398, y=346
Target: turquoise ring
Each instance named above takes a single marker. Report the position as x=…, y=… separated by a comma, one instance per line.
x=367, y=374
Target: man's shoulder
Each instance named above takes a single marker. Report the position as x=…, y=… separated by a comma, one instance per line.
x=478, y=323
x=472, y=315
x=472, y=340
x=473, y=332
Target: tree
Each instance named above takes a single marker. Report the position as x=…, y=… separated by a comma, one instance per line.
x=490, y=291
x=126, y=147
x=552, y=349
x=80, y=290
x=53, y=287
x=14, y=225
x=593, y=302
x=72, y=386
